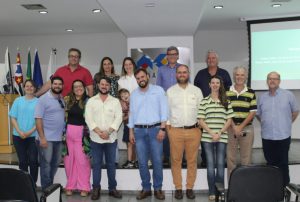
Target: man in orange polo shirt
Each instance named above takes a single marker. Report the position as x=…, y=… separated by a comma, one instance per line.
x=71, y=72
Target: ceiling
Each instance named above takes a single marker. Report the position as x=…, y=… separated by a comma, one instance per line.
x=133, y=19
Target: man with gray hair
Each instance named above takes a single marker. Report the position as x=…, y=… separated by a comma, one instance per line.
x=166, y=77
x=277, y=109
x=203, y=77
x=241, y=132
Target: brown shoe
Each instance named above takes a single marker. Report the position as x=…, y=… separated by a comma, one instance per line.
x=190, y=194
x=143, y=194
x=95, y=193
x=115, y=193
x=159, y=194
x=68, y=192
x=84, y=193
x=178, y=194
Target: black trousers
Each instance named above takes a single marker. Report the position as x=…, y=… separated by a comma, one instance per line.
x=276, y=153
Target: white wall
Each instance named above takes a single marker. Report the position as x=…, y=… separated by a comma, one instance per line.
x=93, y=47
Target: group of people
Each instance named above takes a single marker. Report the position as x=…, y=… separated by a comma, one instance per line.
x=162, y=122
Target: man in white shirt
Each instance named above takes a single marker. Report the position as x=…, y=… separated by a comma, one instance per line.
x=103, y=115
x=184, y=134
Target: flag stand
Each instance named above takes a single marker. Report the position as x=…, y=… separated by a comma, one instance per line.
x=6, y=143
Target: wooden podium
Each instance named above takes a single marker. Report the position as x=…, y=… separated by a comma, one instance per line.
x=6, y=143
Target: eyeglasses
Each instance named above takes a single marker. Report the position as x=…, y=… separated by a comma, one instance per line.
x=273, y=79
x=74, y=56
x=173, y=54
x=61, y=103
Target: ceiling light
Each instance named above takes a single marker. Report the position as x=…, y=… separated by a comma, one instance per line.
x=96, y=10
x=276, y=5
x=149, y=5
x=69, y=30
x=43, y=12
x=218, y=7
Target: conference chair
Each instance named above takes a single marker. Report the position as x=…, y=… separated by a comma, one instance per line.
x=255, y=183
x=17, y=185
x=293, y=188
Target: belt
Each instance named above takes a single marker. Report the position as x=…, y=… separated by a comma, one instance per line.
x=147, y=126
x=189, y=127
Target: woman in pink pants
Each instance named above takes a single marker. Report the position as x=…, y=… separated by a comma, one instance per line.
x=77, y=162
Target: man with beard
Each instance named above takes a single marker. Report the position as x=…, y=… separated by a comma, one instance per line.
x=184, y=134
x=147, y=123
x=50, y=123
x=103, y=115
x=202, y=80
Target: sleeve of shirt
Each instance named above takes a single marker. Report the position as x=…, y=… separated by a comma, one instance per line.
x=201, y=111
x=14, y=109
x=39, y=109
x=89, y=115
x=159, y=77
x=229, y=112
x=164, y=107
x=253, y=105
x=294, y=103
x=258, y=112
x=88, y=78
x=118, y=116
x=196, y=80
x=130, y=118
x=228, y=81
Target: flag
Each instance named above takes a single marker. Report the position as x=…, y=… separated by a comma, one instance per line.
x=144, y=62
x=51, y=64
x=28, y=73
x=37, y=72
x=19, y=76
x=161, y=60
x=5, y=75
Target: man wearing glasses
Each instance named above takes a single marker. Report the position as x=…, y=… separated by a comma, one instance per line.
x=50, y=123
x=71, y=72
x=277, y=109
x=166, y=77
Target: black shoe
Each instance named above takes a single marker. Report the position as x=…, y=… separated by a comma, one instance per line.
x=190, y=194
x=143, y=194
x=178, y=194
x=95, y=193
x=115, y=193
x=128, y=164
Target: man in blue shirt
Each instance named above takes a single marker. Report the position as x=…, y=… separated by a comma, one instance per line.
x=277, y=109
x=147, y=120
x=166, y=77
x=202, y=80
x=50, y=123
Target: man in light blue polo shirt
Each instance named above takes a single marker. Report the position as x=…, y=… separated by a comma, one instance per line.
x=277, y=109
x=147, y=120
x=50, y=123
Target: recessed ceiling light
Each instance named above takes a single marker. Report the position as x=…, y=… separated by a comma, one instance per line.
x=96, y=10
x=69, y=30
x=43, y=12
x=149, y=5
x=218, y=7
x=276, y=5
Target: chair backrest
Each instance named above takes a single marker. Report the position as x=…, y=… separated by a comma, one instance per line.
x=255, y=184
x=16, y=185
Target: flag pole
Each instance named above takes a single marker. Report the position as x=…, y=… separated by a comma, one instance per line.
x=10, y=74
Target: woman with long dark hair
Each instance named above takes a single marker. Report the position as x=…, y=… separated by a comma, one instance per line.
x=77, y=163
x=215, y=113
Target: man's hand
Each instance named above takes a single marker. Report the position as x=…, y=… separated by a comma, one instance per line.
x=160, y=135
x=43, y=143
x=131, y=138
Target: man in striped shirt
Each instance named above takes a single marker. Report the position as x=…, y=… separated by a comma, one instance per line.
x=241, y=133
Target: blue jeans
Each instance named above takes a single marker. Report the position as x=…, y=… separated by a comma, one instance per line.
x=50, y=159
x=28, y=155
x=97, y=151
x=215, y=155
x=148, y=146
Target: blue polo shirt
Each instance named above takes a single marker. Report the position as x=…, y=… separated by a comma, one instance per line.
x=166, y=76
x=203, y=77
x=23, y=111
x=50, y=111
x=275, y=114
